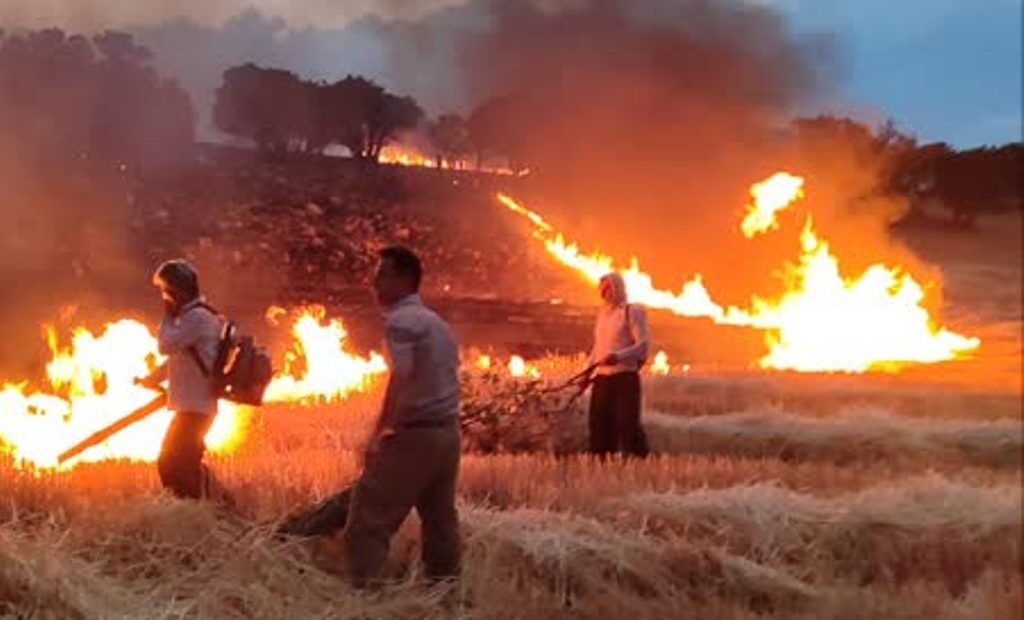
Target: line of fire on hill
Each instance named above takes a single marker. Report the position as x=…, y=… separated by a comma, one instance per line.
x=826, y=322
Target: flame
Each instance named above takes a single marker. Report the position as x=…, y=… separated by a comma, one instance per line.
x=692, y=300
x=517, y=367
x=483, y=362
x=771, y=196
x=825, y=321
x=403, y=155
x=317, y=368
x=92, y=384
x=828, y=322
x=659, y=365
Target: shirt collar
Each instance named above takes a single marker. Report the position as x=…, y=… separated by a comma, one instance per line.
x=198, y=301
x=408, y=300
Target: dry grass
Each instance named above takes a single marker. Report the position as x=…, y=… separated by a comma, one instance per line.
x=889, y=514
x=846, y=437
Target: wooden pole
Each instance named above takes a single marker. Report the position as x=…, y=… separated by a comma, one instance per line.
x=103, y=434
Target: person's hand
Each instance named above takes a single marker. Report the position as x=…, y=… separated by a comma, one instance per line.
x=609, y=360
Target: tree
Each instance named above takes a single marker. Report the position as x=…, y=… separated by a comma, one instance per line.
x=67, y=97
x=271, y=107
x=362, y=116
x=496, y=129
x=449, y=136
x=980, y=181
x=345, y=110
x=393, y=115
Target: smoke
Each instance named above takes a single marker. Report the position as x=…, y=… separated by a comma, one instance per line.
x=645, y=120
x=64, y=247
x=649, y=120
x=91, y=15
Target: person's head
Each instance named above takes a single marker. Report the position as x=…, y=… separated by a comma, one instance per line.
x=177, y=281
x=613, y=289
x=398, y=275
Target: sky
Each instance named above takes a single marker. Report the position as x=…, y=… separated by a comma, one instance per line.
x=945, y=70
x=949, y=70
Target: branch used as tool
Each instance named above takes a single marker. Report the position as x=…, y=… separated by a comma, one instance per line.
x=578, y=380
x=106, y=432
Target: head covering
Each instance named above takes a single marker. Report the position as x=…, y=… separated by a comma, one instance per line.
x=179, y=276
x=618, y=287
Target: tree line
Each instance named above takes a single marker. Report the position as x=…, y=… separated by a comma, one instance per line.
x=70, y=97
x=74, y=98
x=281, y=113
x=965, y=183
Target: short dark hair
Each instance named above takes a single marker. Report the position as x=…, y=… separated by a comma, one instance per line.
x=405, y=263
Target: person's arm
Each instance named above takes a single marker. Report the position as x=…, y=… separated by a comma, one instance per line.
x=178, y=335
x=637, y=352
x=401, y=346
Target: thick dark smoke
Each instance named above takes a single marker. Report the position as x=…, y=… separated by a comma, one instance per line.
x=645, y=120
x=650, y=119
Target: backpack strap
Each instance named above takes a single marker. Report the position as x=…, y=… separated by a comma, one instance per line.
x=194, y=352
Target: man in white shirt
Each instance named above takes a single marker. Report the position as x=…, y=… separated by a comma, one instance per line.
x=621, y=344
x=413, y=455
x=190, y=338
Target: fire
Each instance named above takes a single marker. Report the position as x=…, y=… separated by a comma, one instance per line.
x=401, y=155
x=317, y=367
x=770, y=197
x=92, y=384
x=825, y=321
x=518, y=367
x=828, y=322
x=692, y=300
x=659, y=365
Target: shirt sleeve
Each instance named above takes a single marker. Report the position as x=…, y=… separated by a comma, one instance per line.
x=401, y=342
x=637, y=352
x=178, y=335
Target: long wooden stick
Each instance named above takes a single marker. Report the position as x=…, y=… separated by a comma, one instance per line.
x=101, y=435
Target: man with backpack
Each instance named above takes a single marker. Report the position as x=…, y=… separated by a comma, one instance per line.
x=190, y=337
x=621, y=344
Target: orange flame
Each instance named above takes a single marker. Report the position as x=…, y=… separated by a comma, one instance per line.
x=659, y=365
x=92, y=384
x=400, y=155
x=771, y=196
x=692, y=300
x=318, y=368
x=519, y=368
x=824, y=322
x=828, y=322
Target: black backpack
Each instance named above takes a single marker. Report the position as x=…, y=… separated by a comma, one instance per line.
x=241, y=371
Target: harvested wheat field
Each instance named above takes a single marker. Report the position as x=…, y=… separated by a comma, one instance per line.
x=789, y=507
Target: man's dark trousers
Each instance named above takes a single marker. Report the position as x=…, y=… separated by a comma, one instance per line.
x=411, y=468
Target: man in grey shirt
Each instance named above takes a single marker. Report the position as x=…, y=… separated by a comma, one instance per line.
x=412, y=459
